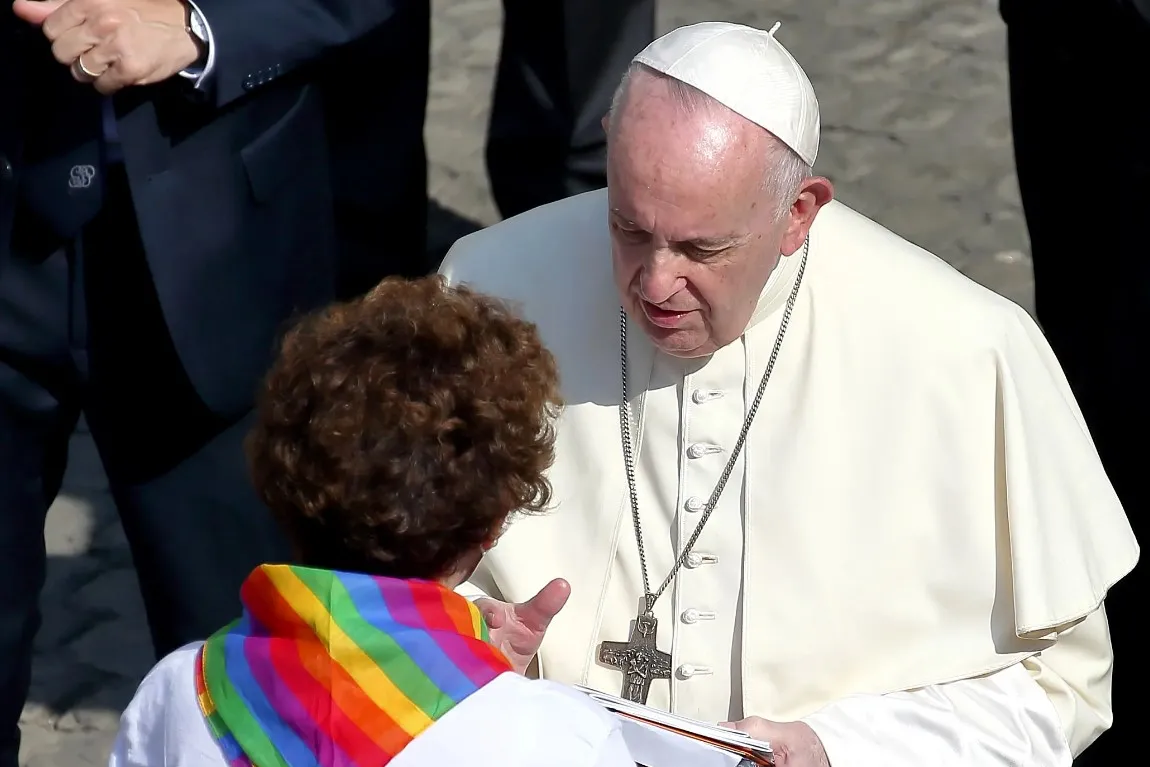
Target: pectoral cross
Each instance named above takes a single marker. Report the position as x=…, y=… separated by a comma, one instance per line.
x=638, y=658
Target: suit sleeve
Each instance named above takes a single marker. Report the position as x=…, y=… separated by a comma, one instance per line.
x=1043, y=711
x=255, y=43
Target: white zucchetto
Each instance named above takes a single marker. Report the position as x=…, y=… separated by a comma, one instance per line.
x=748, y=71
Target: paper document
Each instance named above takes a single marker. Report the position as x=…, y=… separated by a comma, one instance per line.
x=660, y=739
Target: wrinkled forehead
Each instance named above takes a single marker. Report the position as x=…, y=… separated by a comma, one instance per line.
x=684, y=192
x=684, y=168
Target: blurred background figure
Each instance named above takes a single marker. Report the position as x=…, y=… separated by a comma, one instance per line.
x=1079, y=79
x=558, y=66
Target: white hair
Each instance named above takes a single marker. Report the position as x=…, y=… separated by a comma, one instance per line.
x=785, y=171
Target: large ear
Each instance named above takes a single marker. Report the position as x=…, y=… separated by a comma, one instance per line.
x=816, y=192
x=606, y=123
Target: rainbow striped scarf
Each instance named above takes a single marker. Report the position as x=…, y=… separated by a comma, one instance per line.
x=332, y=669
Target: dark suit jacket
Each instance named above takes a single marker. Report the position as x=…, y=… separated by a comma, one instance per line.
x=231, y=185
x=379, y=163
x=1071, y=12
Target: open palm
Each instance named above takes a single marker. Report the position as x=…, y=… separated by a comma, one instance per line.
x=518, y=629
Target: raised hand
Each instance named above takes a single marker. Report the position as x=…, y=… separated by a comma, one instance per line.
x=518, y=629
x=113, y=44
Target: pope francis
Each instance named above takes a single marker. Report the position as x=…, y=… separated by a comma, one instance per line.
x=810, y=481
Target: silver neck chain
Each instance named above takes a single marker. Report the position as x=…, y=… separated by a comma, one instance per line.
x=629, y=459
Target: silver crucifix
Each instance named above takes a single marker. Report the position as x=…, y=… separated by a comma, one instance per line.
x=638, y=659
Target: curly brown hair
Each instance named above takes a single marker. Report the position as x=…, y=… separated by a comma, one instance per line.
x=396, y=433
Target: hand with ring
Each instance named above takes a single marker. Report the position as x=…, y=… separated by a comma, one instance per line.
x=113, y=44
x=81, y=72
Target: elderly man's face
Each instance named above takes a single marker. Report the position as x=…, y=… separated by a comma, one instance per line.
x=694, y=235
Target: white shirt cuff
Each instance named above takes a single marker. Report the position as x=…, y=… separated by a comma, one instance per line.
x=470, y=591
x=200, y=28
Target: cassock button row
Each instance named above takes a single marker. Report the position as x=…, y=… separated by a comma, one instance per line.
x=700, y=449
x=691, y=615
x=695, y=559
x=699, y=396
x=688, y=670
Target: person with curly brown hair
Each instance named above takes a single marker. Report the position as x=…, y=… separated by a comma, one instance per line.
x=396, y=435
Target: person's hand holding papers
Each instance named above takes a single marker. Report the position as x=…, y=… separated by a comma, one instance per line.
x=794, y=743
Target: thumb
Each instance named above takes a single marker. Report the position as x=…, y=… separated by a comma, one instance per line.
x=536, y=613
x=35, y=11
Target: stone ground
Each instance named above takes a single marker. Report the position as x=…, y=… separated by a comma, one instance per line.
x=916, y=134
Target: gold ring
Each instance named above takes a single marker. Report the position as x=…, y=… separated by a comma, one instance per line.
x=79, y=68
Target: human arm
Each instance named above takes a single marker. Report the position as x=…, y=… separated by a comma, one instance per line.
x=1042, y=711
x=249, y=43
x=255, y=43
x=1000, y=719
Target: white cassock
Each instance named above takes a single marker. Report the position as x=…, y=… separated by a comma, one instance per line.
x=912, y=552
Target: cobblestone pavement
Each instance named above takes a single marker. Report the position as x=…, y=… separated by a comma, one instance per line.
x=916, y=135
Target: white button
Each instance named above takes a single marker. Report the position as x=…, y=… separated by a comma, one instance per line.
x=698, y=560
x=700, y=449
x=688, y=670
x=691, y=615
x=699, y=396
x=695, y=504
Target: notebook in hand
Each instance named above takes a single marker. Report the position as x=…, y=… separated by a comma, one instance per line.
x=660, y=739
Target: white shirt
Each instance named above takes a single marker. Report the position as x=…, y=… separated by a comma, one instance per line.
x=511, y=722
